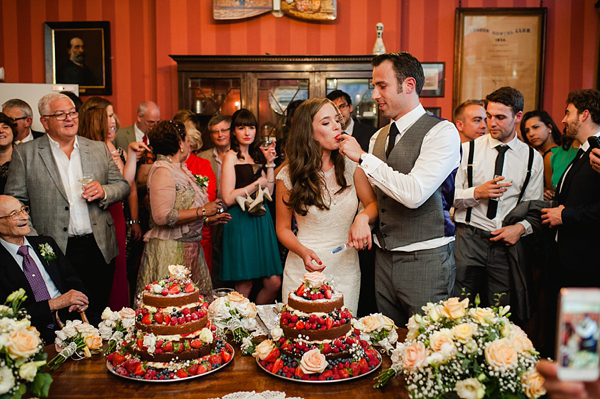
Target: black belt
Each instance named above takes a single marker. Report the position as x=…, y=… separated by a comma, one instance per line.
x=479, y=232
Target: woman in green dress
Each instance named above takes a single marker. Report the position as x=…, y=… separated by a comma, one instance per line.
x=249, y=241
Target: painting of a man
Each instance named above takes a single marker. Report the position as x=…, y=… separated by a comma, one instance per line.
x=74, y=70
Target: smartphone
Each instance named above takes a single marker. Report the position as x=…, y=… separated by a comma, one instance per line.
x=578, y=334
x=594, y=141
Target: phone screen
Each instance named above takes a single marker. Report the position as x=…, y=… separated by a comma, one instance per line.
x=579, y=335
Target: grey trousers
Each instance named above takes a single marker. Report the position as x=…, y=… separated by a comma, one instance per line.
x=481, y=266
x=406, y=281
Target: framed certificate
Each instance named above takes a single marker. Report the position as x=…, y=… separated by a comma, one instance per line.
x=497, y=47
x=434, y=79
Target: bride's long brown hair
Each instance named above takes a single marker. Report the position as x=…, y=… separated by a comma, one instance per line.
x=304, y=156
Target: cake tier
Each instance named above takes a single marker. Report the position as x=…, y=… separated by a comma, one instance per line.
x=319, y=305
x=185, y=328
x=163, y=301
x=316, y=335
x=187, y=354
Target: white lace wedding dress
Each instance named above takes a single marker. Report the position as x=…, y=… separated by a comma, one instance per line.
x=323, y=230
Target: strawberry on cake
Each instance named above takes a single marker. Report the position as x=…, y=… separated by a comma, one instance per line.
x=173, y=337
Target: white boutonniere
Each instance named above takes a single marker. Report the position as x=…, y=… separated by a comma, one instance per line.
x=202, y=180
x=47, y=252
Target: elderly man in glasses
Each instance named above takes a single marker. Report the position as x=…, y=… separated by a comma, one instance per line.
x=22, y=115
x=69, y=182
x=37, y=265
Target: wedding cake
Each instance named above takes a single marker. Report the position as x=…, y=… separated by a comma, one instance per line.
x=173, y=337
x=316, y=340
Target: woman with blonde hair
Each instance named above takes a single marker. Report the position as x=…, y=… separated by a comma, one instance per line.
x=321, y=188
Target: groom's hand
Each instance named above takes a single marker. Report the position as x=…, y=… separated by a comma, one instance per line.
x=350, y=147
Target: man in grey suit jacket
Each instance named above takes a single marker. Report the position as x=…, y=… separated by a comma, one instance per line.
x=148, y=115
x=48, y=174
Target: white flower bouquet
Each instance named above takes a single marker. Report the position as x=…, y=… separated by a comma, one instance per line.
x=234, y=313
x=454, y=350
x=378, y=330
x=115, y=326
x=21, y=352
x=77, y=339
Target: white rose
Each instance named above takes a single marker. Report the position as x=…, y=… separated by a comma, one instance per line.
x=435, y=358
x=314, y=279
x=396, y=354
x=249, y=310
x=86, y=329
x=61, y=335
x=28, y=371
x=7, y=325
x=276, y=333
x=179, y=272
x=128, y=323
x=412, y=325
x=434, y=313
x=249, y=324
x=470, y=388
x=127, y=313
x=106, y=314
x=69, y=331
x=7, y=380
x=149, y=342
x=448, y=350
x=218, y=310
x=388, y=324
x=3, y=340
x=105, y=331
x=25, y=323
x=156, y=288
x=110, y=323
x=206, y=336
x=392, y=337
x=115, y=316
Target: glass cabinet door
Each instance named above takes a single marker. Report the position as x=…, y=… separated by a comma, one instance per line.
x=360, y=91
x=209, y=96
x=274, y=96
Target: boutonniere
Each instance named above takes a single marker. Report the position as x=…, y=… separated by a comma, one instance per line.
x=202, y=180
x=47, y=252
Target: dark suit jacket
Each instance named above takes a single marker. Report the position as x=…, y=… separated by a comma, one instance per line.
x=64, y=277
x=362, y=133
x=579, y=235
x=36, y=134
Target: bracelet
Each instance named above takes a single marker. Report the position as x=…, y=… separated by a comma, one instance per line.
x=198, y=216
x=133, y=221
x=270, y=165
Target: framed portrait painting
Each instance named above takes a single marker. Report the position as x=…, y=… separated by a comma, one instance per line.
x=434, y=79
x=497, y=47
x=79, y=52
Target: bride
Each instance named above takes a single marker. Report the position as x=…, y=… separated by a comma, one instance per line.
x=319, y=187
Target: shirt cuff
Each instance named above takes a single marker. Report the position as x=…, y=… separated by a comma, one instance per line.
x=528, y=228
x=370, y=163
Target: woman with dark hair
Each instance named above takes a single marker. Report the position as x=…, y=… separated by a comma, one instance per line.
x=97, y=122
x=179, y=208
x=8, y=133
x=322, y=188
x=249, y=241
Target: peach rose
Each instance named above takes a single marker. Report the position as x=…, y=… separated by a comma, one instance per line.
x=414, y=356
x=371, y=323
x=313, y=362
x=533, y=384
x=127, y=313
x=179, y=272
x=464, y=331
x=439, y=338
x=501, y=353
x=455, y=309
x=521, y=343
x=483, y=316
x=236, y=297
x=263, y=349
x=93, y=342
x=23, y=342
x=249, y=311
x=314, y=279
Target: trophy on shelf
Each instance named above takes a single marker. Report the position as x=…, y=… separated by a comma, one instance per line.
x=379, y=47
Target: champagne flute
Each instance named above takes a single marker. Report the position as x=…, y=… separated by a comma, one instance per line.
x=85, y=179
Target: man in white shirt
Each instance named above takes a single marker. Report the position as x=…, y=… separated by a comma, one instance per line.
x=500, y=163
x=70, y=182
x=148, y=115
x=408, y=161
x=22, y=115
x=469, y=118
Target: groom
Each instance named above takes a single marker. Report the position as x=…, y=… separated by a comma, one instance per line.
x=49, y=281
x=408, y=161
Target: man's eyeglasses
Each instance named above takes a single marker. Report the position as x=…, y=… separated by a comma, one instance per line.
x=217, y=131
x=62, y=116
x=342, y=106
x=15, y=120
x=14, y=215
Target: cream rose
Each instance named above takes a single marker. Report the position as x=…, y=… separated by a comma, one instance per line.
x=533, y=384
x=371, y=323
x=388, y=324
x=23, y=342
x=313, y=362
x=206, y=336
x=470, y=388
x=28, y=371
x=25, y=323
x=413, y=328
x=236, y=297
x=521, y=343
x=434, y=313
x=179, y=272
x=106, y=314
x=127, y=313
x=249, y=310
x=263, y=349
x=314, y=279
x=156, y=288
x=439, y=338
x=105, y=331
x=249, y=324
x=464, y=331
x=276, y=333
x=483, y=316
x=128, y=323
x=414, y=356
x=218, y=310
x=453, y=308
x=501, y=353
x=7, y=380
x=93, y=342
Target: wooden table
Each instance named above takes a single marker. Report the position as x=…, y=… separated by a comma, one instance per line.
x=91, y=379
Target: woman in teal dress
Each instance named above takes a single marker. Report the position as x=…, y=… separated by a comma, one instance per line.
x=249, y=241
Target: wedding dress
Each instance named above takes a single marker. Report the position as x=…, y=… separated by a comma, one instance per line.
x=323, y=230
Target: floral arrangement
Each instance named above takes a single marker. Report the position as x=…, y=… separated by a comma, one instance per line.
x=469, y=352
x=78, y=340
x=234, y=313
x=47, y=252
x=21, y=352
x=202, y=181
x=115, y=326
x=378, y=330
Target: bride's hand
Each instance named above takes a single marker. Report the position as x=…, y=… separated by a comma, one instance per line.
x=359, y=235
x=308, y=257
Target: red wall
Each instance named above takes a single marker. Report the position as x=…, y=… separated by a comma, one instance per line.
x=145, y=32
